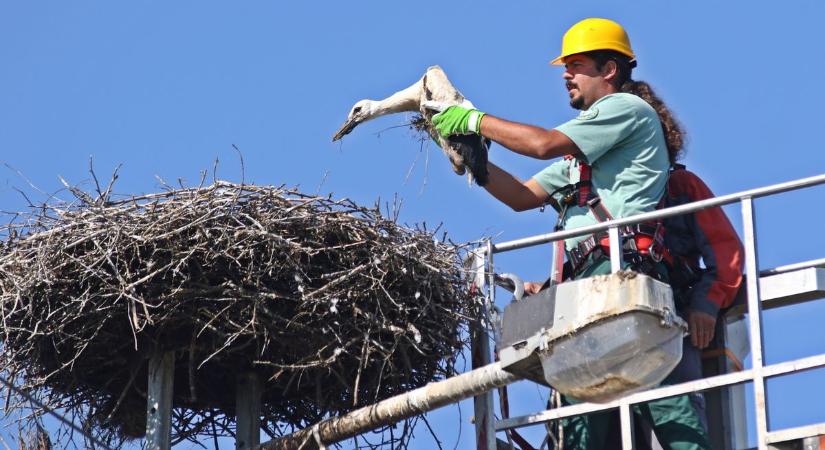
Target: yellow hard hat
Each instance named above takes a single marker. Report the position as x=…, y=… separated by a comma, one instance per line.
x=594, y=34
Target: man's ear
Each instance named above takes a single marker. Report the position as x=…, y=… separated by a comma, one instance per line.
x=610, y=70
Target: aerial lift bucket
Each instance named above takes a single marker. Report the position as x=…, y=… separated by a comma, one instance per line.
x=594, y=339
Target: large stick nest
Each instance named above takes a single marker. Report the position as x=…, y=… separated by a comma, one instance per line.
x=333, y=305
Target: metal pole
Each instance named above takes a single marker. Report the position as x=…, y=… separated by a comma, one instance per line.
x=248, y=407
x=483, y=404
x=755, y=322
x=615, y=249
x=791, y=267
x=557, y=262
x=159, y=401
x=660, y=214
x=626, y=421
x=391, y=410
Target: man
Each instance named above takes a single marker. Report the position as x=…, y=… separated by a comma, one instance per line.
x=625, y=139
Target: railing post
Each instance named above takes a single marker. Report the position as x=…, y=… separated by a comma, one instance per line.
x=159, y=401
x=248, y=411
x=626, y=423
x=615, y=249
x=755, y=322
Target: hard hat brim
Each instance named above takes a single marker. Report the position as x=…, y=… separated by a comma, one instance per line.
x=559, y=61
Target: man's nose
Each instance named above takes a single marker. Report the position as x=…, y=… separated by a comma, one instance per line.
x=567, y=75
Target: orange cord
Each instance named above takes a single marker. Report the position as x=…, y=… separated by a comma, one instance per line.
x=717, y=352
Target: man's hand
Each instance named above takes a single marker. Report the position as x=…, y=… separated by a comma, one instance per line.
x=702, y=326
x=457, y=120
x=532, y=288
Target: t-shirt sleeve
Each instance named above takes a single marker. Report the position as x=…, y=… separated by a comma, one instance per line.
x=601, y=127
x=554, y=176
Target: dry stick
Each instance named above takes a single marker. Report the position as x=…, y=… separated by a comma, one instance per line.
x=52, y=412
x=334, y=282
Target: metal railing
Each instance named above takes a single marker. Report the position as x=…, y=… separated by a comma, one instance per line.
x=756, y=374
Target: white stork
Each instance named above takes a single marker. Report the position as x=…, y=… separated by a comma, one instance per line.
x=433, y=88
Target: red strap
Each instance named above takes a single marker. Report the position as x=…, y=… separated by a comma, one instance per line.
x=599, y=210
x=584, y=186
x=587, y=197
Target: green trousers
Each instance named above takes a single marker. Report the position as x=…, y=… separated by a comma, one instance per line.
x=674, y=420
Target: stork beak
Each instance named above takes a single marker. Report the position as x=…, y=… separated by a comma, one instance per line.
x=345, y=129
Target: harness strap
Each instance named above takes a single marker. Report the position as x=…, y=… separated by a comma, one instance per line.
x=580, y=193
x=642, y=239
x=598, y=209
x=586, y=185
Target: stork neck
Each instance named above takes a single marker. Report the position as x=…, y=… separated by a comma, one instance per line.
x=404, y=100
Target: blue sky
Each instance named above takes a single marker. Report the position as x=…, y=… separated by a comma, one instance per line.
x=165, y=88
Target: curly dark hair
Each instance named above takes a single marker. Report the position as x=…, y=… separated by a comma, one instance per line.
x=674, y=134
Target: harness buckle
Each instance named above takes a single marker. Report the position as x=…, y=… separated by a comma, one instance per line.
x=593, y=201
x=655, y=255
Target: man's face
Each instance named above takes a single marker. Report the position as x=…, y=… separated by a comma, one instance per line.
x=585, y=84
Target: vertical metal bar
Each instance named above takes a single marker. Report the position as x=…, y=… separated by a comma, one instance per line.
x=615, y=249
x=554, y=267
x=626, y=421
x=159, y=401
x=483, y=404
x=248, y=407
x=755, y=321
x=491, y=283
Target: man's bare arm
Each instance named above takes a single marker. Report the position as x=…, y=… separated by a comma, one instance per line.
x=517, y=194
x=528, y=140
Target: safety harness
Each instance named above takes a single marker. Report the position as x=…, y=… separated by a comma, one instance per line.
x=642, y=244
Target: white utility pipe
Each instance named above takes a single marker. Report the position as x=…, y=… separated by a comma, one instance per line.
x=391, y=410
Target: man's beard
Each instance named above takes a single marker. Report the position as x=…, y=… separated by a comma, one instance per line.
x=577, y=102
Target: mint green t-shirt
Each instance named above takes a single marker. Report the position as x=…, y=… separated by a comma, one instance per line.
x=621, y=138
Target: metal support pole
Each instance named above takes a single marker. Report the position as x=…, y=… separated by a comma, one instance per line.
x=159, y=401
x=483, y=404
x=626, y=421
x=248, y=410
x=615, y=249
x=755, y=322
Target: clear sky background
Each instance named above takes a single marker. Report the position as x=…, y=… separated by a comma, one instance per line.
x=165, y=88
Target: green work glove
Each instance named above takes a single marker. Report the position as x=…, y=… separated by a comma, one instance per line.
x=457, y=120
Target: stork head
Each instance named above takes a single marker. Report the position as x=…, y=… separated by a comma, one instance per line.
x=360, y=112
